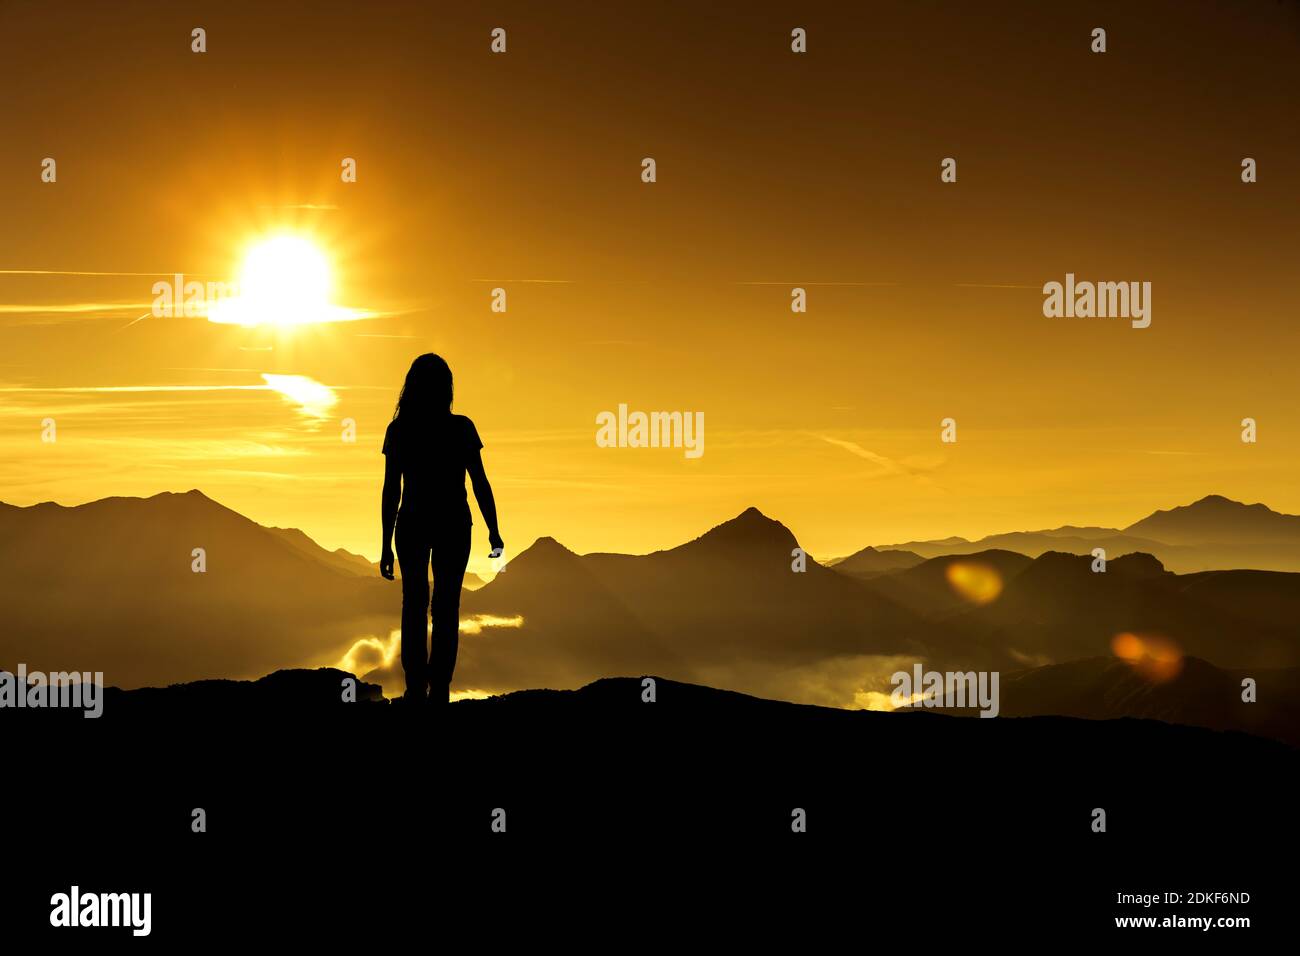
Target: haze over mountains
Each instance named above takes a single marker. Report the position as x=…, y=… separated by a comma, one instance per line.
x=727, y=610
x=109, y=586
x=1209, y=534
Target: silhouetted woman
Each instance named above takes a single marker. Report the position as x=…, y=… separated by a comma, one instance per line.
x=428, y=451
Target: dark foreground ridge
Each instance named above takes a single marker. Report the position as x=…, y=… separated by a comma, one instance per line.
x=607, y=795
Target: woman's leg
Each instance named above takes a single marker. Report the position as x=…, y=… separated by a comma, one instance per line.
x=450, y=555
x=413, y=558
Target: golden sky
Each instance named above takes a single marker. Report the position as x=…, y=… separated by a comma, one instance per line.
x=775, y=170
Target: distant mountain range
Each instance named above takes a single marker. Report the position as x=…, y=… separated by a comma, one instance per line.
x=1053, y=608
x=726, y=609
x=108, y=586
x=1210, y=534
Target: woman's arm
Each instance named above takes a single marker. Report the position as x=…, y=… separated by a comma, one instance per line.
x=486, y=503
x=392, y=496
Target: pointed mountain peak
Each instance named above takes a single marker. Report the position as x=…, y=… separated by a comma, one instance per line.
x=751, y=520
x=546, y=542
x=545, y=549
x=748, y=530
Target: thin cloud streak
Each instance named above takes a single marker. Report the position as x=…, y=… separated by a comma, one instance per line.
x=888, y=465
x=854, y=448
x=301, y=205
x=75, y=307
x=801, y=283
x=72, y=272
x=535, y=281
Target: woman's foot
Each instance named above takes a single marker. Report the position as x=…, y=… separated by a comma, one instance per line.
x=411, y=698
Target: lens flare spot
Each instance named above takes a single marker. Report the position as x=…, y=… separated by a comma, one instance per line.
x=975, y=581
x=1155, y=658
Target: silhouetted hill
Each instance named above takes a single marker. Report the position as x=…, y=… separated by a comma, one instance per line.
x=110, y=586
x=1057, y=609
x=927, y=590
x=297, y=693
x=869, y=562
x=620, y=756
x=1100, y=688
x=1219, y=520
x=725, y=607
x=335, y=808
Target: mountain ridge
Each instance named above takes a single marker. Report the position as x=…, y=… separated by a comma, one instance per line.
x=731, y=606
x=1214, y=532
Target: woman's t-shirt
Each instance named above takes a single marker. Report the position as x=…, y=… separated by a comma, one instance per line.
x=433, y=455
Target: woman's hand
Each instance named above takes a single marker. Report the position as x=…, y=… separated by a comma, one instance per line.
x=386, y=563
x=496, y=544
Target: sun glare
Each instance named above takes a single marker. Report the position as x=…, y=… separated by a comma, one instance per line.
x=285, y=281
x=286, y=274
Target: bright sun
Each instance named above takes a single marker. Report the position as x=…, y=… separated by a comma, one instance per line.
x=285, y=281
x=286, y=274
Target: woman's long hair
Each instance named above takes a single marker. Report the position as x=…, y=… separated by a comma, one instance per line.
x=427, y=392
